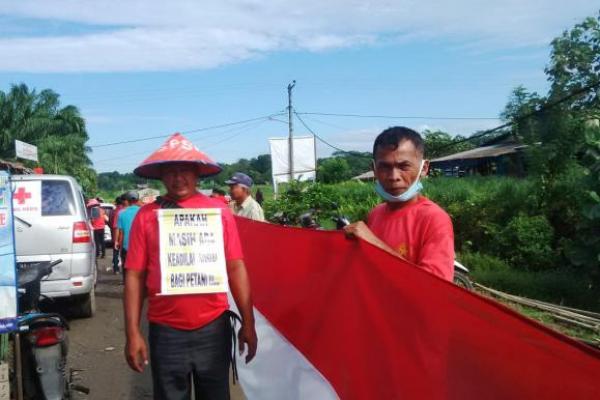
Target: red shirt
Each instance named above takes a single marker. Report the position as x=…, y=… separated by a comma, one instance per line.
x=98, y=223
x=420, y=232
x=180, y=311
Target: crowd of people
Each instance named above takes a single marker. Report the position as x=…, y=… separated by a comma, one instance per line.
x=190, y=334
x=239, y=200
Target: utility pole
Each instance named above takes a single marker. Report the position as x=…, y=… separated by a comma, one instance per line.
x=291, y=130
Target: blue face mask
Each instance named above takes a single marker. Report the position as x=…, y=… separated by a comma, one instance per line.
x=410, y=193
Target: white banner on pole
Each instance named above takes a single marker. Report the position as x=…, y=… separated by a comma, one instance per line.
x=305, y=162
x=26, y=150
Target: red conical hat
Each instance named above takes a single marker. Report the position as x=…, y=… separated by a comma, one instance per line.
x=177, y=149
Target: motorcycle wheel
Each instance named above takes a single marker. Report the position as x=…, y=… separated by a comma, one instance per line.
x=462, y=280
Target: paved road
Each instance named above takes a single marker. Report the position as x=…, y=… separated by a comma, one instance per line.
x=96, y=347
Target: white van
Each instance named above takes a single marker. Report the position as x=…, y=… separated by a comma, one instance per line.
x=50, y=224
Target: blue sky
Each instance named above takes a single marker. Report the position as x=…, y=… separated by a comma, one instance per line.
x=147, y=68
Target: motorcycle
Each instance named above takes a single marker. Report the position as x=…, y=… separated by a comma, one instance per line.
x=461, y=276
x=42, y=343
x=461, y=273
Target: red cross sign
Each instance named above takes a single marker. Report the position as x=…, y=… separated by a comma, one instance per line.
x=21, y=195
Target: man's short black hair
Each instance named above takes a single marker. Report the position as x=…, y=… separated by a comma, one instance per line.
x=391, y=138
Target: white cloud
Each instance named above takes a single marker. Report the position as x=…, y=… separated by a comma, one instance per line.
x=158, y=35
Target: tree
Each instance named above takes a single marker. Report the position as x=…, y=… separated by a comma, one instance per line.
x=333, y=170
x=359, y=162
x=575, y=63
x=59, y=133
x=439, y=144
x=563, y=140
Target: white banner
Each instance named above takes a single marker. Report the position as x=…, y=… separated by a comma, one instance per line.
x=26, y=150
x=192, y=252
x=304, y=159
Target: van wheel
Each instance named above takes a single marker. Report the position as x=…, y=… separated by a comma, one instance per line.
x=87, y=305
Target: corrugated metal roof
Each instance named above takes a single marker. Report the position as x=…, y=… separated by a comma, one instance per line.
x=14, y=166
x=482, y=152
x=365, y=176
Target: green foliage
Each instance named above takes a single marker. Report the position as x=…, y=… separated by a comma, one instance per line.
x=351, y=199
x=113, y=184
x=566, y=286
x=480, y=263
x=59, y=133
x=439, y=144
x=585, y=250
x=343, y=165
x=333, y=170
x=258, y=168
x=526, y=242
x=575, y=63
x=478, y=205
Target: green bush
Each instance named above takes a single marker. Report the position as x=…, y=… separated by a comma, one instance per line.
x=352, y=199
x=477, y=262
x=567, y=287
x=526, y=242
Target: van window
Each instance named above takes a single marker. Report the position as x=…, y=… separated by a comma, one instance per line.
x=57, y=198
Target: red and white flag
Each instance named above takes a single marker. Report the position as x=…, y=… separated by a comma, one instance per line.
x=339, y=318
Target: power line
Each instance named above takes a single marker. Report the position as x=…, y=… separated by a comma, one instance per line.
x=526, y=116
x=187, y=132
x=248, y=125
x=395, y=116
x=244, y=130
x=317, y=136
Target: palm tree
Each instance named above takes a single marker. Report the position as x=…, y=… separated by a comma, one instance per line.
x=59, y=133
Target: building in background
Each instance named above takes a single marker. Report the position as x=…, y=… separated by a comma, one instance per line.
x=500, y=156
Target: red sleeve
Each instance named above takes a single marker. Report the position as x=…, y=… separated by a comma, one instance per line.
x=137, y=256
x=437, y=252
x=233, y=247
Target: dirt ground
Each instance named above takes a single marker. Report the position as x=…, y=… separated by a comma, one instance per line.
x=96, y=347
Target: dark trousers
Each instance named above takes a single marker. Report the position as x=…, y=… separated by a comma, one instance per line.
x=100, y=245
x=123, y=259
x=204, y=354
x=115, y=260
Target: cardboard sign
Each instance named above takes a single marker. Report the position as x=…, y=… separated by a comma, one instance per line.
x=192, y=253
x=8, y=289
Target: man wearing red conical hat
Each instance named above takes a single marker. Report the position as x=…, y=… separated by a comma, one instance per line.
x=190, y=334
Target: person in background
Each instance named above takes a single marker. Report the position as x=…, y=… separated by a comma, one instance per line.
x=219, y=194
x=260, y=197
x=99, y=219
x=243, y=204
x=124, y=222
x=407, y=225
x=120, y=204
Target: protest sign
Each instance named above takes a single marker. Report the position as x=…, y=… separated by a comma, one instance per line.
x=192, y=255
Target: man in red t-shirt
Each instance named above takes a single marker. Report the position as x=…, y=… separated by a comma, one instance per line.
x=99, y=219
x=190, y=334
x=407, y=224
